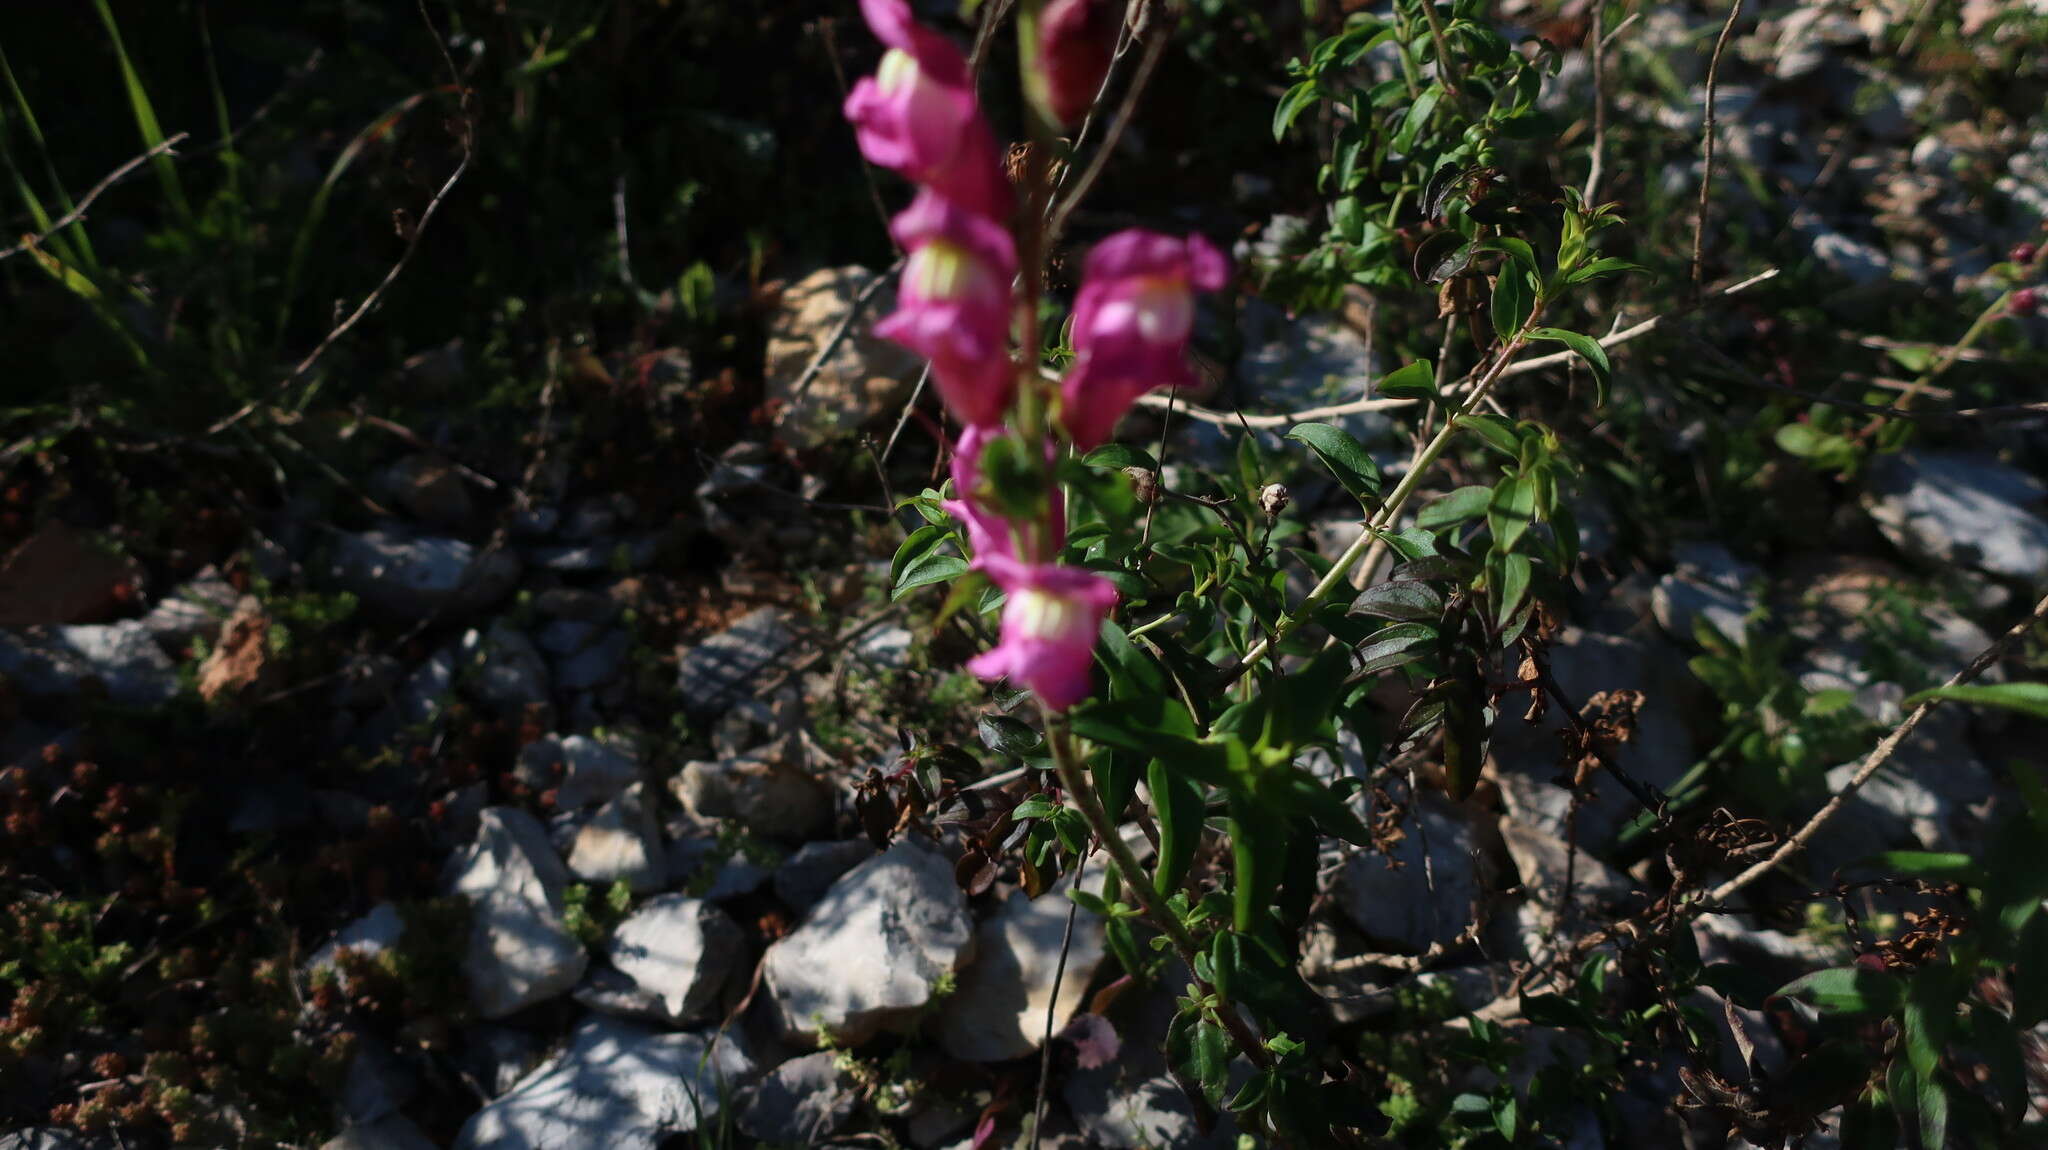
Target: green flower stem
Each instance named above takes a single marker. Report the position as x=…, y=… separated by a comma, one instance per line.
x=1446, y=64
x=1396, y=500
x=1160, y=915
x=1985, y=319
x=1201, y=588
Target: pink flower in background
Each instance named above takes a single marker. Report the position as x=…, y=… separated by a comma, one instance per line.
x=1132, y=320
x=1076, y=42
x=1050, y=623
x=917, y=114
x=954, y=304
x=1095, y=1040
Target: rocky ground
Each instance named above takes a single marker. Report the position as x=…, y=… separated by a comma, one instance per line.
x=592, y=791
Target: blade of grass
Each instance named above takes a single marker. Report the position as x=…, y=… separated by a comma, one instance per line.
x=145, y=118
x=82, y=286
x=76, y=249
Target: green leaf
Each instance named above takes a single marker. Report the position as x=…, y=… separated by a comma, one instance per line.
x=1512, y=301
x=1178, y=805
x=1344, y=456
x=1464, y=504
x=1607, y=266
x=935, y=568
x=1132, y=672
x=1035, y=807
x=1802, y=440
x=1588, y=349
x=916, y=546
x=1510, y=511
x=1514, y=585
x=1946, y=866
x=927, y=507
x=1392, y=646
x=1443, y=255
x=1291, y=105
x=2026, y=698
x=1848, y=990
x=1092, y=903
x=1007, y=736
x=1418, y=115
x=1518, y=251
x=1116, y=456
x=1296, y=792
x=1416, y=380
x=1258, y=844
x=144, y=113
x=1494, y=431
x=1408, y=601
x=1199, y=1051
x=1933, y=1109
x=1929, y=1015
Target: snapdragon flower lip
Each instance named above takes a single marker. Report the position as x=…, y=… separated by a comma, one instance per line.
x=917, y=114
x=1132, y=321
x=1051, y=619
x=954, y=304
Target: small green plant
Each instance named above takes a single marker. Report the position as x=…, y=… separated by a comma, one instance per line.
x=591, y=916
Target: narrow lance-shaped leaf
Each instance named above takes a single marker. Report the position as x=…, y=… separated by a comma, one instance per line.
x=1588, y=349
x=1344, y=456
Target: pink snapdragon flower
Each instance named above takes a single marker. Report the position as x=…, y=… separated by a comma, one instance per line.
x=953, y=306
x=1050, y=622
x=1132, y=320
x=917, y=114
x=1076, y=43
x=988, y=535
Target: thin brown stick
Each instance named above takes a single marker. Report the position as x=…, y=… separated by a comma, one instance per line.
x=1052, y=1006
x=916, y=393
x=992, y=14
x=1878, y=757
x=77, y=213
x=839, y=333
x=827, y=29
x=1699, y=229
x=1597, y=37
x=1750, y=379
x=1155, y=48
x=1519, y=367
x=467, y=138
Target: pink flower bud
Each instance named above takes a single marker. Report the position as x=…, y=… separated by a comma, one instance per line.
x=1050, y=623
x=917, y=115
x=953, y=306
x=1076, y=42
x=1132, y=320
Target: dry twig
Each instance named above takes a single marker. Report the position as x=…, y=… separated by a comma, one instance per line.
x=1878, y=757
x=467, y=137
x=1699, y=228
x=165, y=147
